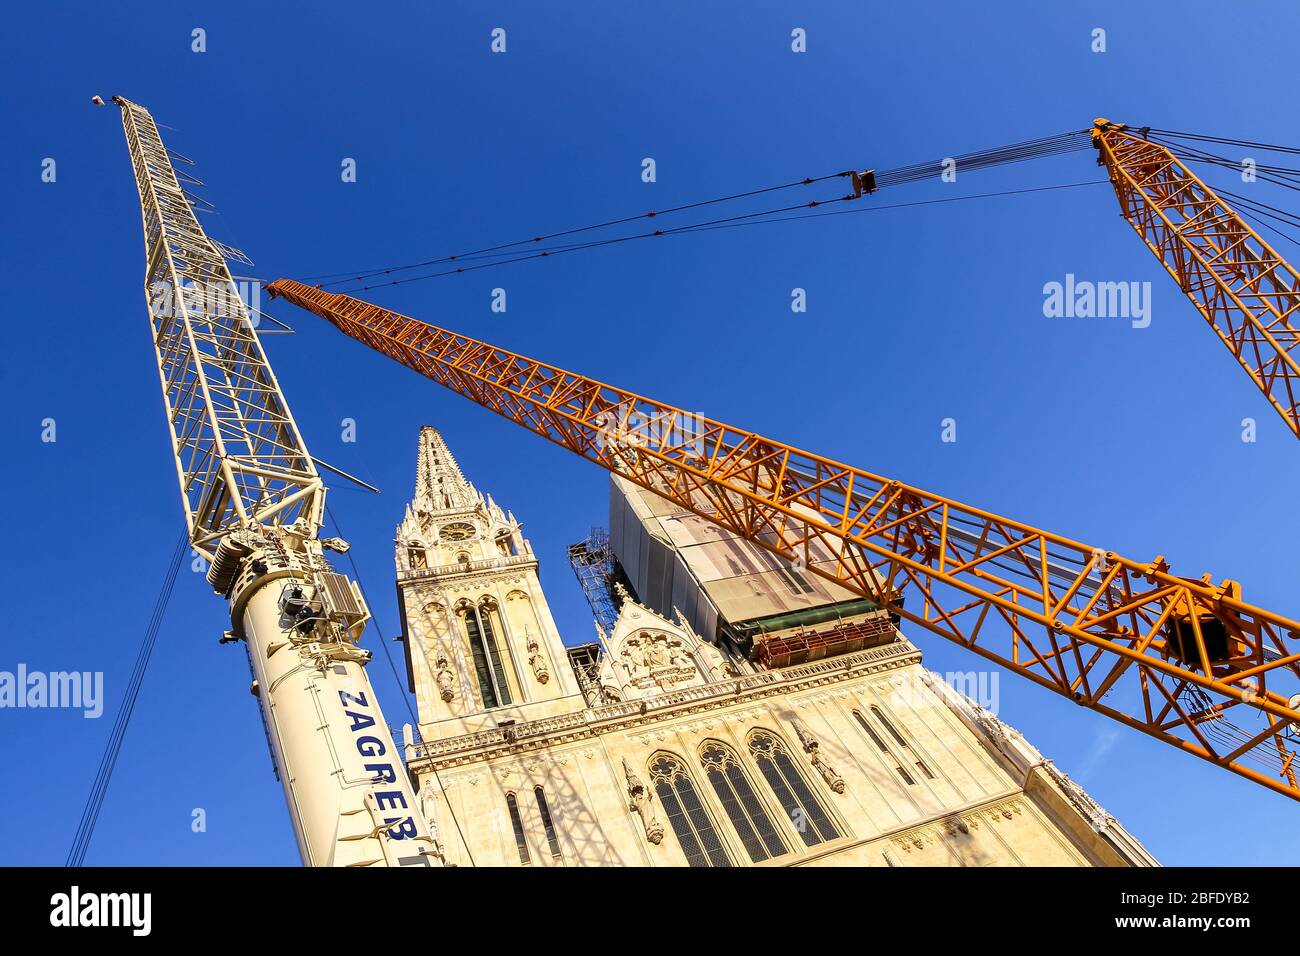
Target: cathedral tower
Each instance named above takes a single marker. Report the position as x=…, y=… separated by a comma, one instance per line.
x=737, y=713
x=482, y=648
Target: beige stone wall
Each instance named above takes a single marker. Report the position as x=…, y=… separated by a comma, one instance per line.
x=971, y=809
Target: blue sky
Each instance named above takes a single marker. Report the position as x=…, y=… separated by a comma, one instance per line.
x=1126, y=438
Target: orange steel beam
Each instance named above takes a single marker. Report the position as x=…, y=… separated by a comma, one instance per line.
x=1173, y=657
x=1248, y=293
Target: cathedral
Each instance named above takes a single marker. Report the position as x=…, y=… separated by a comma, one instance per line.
x=732, y=711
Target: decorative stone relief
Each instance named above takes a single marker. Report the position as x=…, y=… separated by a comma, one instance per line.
x=647, y=654
x=640, y=799
x=813, y=749
x=652, y=659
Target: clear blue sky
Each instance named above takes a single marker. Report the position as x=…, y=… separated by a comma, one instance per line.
x=1129, y=439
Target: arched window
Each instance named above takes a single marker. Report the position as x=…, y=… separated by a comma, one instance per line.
x=792, y=791
x=916, y=758
x=551, y=841
x=488, y=667
x=520, y=842
x=417, y=558
x=689, y=819
x=884, y=748
x=744, y=809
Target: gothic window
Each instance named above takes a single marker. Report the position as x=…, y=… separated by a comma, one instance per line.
x=687, y=816
x=417, y=558
x=797, y=798
x=884, y=748
x=520, y=842
x=916, y=758
x=544, y=809
x=488, y=668
x=745, y=810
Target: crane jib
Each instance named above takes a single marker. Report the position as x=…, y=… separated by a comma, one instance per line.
x=1169, y=656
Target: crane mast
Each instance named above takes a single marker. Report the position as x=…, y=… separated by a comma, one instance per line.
x=254, y=503
x=1249, y=295
x=1176, y=658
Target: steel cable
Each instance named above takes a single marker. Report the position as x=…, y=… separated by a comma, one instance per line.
x=99, y=787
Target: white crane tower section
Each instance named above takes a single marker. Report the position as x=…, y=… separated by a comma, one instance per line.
x=253, y=506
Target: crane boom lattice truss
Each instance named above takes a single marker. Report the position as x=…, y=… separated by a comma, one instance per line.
x=239, y=457
x=1248, y=293
x=1172, y=657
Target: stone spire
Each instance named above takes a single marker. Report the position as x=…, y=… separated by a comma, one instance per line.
x=447, y=506
x=439, y=483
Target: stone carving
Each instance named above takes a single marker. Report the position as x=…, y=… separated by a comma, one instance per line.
x=813, y=749
x=640, y=798
x=537, y=660
x=446, y=680
x=656, y=659
x=428, y=804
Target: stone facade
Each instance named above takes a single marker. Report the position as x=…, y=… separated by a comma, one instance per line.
x=691, y=755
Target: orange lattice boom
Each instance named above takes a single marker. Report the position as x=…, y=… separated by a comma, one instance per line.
x=1176, y=658
x=1248, y=293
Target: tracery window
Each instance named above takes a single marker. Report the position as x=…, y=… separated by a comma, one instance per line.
x=547, y=824
x=747, y=814
x=488, y=667
x=417, y=558
x=797, y=799
x=520, y=842
x=696, y=834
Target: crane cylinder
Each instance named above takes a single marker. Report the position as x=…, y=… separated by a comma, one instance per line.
x=344, y=778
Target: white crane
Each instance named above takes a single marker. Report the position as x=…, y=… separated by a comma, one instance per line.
x=253, y=505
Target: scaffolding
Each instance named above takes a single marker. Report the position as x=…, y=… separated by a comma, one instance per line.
x=585, y=660
x=593, y=563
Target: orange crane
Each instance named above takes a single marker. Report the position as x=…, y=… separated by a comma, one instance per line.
x=1248, y=293
x=1173, y=657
